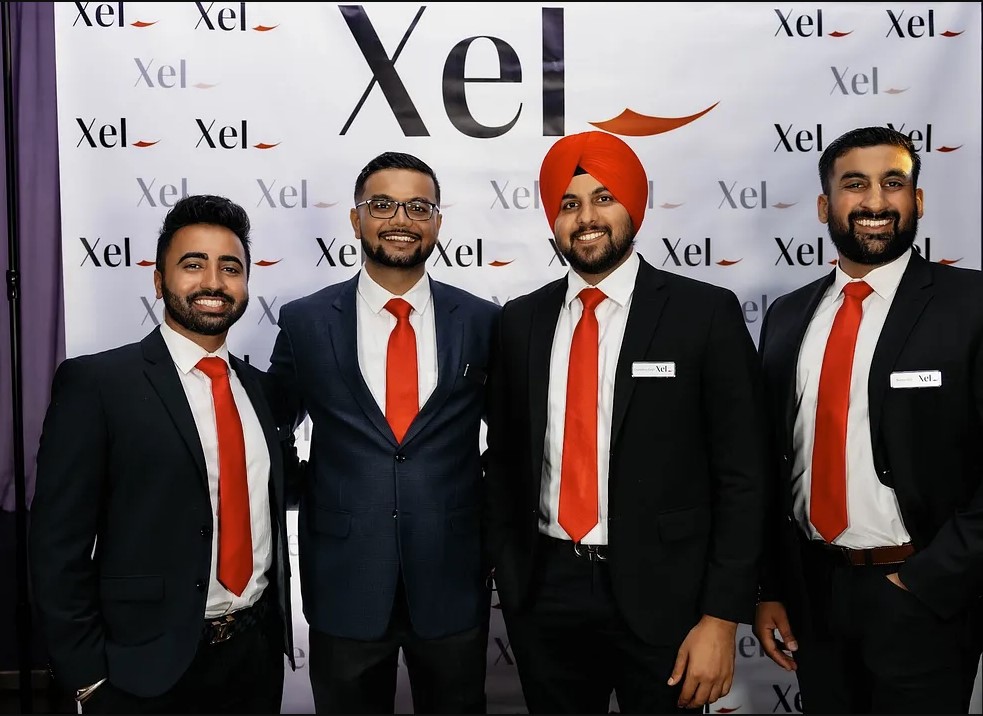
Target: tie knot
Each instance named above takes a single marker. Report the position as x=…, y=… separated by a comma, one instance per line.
x=400, y=308
x=590, y=297
x=858, y=289
x=213, y=366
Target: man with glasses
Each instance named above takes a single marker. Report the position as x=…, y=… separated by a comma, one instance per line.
x=390, y=365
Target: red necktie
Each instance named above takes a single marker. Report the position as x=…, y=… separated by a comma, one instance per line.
x=402, y=391
x=827, y=501
x=235, y=547
x=578, y=470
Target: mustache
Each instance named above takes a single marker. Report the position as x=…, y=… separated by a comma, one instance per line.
x=204, y=293
x=875, y=216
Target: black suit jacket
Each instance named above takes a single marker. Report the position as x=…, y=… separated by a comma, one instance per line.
x=686, y=472
x=926, y=441
x=121, y=522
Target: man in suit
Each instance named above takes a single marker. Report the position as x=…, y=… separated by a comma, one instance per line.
x=874, y=381
x=625, y=460
x=390, y=365
x=157, y=540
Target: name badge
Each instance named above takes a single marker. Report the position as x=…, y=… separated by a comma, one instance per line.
x=917, y=379
x=648, y=369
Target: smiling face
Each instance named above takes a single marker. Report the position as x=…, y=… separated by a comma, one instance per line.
x=872, y=209
x=593, y=229
x=399, y=242
x=204, y=283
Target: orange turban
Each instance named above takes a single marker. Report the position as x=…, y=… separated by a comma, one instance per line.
x=606, y=158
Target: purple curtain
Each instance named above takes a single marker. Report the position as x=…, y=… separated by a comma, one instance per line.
x=42, y=329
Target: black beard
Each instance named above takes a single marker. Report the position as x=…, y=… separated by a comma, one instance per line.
x=405, y=261
x=185, y=314
x=602, y=260
x=860, y=251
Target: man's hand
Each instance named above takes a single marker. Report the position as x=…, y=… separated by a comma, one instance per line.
x=768, y=617
x=706, y=659
x=896, y=579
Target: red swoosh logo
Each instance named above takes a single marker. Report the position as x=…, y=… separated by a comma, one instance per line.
x=783, y=205
x=728, y=262
x=265, y=28
x=671, y=206
x=325, y=204
x=632, y=124
x=140, y=23
x=145, y=263
x=204, y=85
x=264, y=145
x=837, y=33
x=947, y=149
x=142, y=144
x=895, y=91
x=725, y=710
x=949, y=262
x=950, y=33
x=264, y=262
x=500, y=263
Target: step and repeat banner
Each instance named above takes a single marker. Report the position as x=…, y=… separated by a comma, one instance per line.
x=279, y=105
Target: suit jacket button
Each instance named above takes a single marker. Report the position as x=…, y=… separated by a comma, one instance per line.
x=395, y=514
x=400, y=457
x=206, y=531
x=200, y=586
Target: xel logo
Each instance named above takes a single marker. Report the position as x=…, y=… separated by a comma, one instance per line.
x=107, y=14
x=454, y=82
x=227, y=19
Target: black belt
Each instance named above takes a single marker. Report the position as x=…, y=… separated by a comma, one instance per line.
x=590, y=552
x=227, y=626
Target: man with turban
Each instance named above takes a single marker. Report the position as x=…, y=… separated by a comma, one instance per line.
x=626, y=462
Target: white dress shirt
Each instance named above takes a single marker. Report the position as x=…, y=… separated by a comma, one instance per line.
x=612, y=316
x=198, y=388
x=872, y=508
x=375, y=324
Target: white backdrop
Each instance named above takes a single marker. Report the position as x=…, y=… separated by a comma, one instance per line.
x=278, y=106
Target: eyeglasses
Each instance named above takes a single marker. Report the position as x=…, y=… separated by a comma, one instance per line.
x=416, y=210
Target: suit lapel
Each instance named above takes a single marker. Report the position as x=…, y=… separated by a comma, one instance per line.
x=262, y=408
x=450, y=344
x=163, y=376
x=791, y=347
x=542, y=330
x=344, y=341
x=648, y=300
x=914, y=293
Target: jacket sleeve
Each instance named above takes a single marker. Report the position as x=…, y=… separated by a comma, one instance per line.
x=72, y=466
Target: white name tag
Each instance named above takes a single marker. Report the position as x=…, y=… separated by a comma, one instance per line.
x=646, y=369
x=917, y=379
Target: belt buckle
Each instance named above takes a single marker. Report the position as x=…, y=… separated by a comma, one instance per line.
x=590, y=551
x=223, y=630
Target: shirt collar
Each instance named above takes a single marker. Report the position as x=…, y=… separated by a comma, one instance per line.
x=185, y=352
x=377, y=297
x=883, y=279
x=618, y=285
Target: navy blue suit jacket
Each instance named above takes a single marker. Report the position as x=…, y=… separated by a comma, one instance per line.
x=373, y=508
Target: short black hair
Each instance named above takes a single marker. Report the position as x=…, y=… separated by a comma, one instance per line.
x=394, y=160
x=866, y=137
x=203, y=209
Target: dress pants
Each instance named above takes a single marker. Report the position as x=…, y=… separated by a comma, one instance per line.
x=573, y=648
x=241, y=675
x=447, y=675
x=873, y=647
